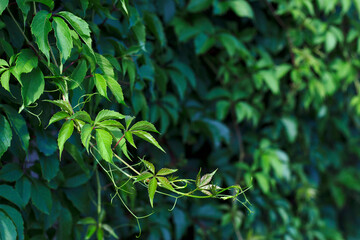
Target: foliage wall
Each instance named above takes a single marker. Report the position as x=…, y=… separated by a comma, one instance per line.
x=267, y=92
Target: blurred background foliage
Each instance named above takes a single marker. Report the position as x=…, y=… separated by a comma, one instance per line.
x=265, y=91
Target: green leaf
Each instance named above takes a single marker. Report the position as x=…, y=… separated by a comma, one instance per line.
x=90, y=231
x=149, y=166
x=16, y=218
x=222, y=109
x=65, y=224
x=79, y=25
x=86, y=135
x=105, y=65
x=290, y=125
x=25, y=8
x=101, y=85
x=241, y=8
x=111, y=123
x=76, y=154
x=23, y=187
x=129, y=138
x=165, y=171
x=203, y=43
x=33, y=85
x=330, y=41
x=49, y=3
x=165, y=183
x=11, y=172
x=83, y=116
x=3, y=5
x=143, y=176
x=7, y=228
x=64, y=134
x=152, y=190
x=271, y=81
x=108, y=114
x=64, y=105
x=147, y=137
x=155, y=26
x=143, y=125
x=103, y=141
x=18, y=124
x=5, y=79
x=10, y=194
x=87, y=221
x=140, y=33
x=41, y=196
x=58, y=116
x=78, y=74
x=49, y=167
x=128, y=120
x=129, y=68
x=116, y=89
x=25, y=62
x=206, y=179
x=5, y=135
x=199, y=5
x=198, y=177
x=40, y=28
x=45, y=143
x=64, y=40
x=109, y=229
x=263, y=182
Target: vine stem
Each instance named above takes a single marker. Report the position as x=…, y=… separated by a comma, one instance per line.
x=118, y=142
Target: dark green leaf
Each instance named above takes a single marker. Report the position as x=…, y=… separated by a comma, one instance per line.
x=16, y=218
x=5, y=135
x=49, y=3
x=78, y=74
x=23, y=187
x=41, y=196
x=11, y=172
x=49, y=167
x=25, y=62
x=7, y=228
x=18, y=124
x=10, y=194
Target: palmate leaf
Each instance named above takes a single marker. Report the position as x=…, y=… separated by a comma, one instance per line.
x=165, y=171
x=86, y=135
x=165, y=183
x=143, y=176
x=40, y=28
x=101, y=85
x=58, y=116
x=115, y=89
x=144, y=126
x=149, y=166
x=83, y=116
x=64, y=134
x=206, y=179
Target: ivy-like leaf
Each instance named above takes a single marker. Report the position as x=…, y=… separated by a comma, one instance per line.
x=10, y=194
x=16, y=219
x=105, y=65
x=40, y=28
x=129, y=138
x=144, y=126
x=165, y=183
x=103, y=141
x=49, y=3
x=41, y=196
x=152, y=190
x=108, y=114
x=86, y=135
x=78, y=74
x=147, y=137
x=5, y=135
x=33, y=85
x=101, y=85
x=58, y=116
x=64, y=40
x=64, y=134
x=165, y=171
